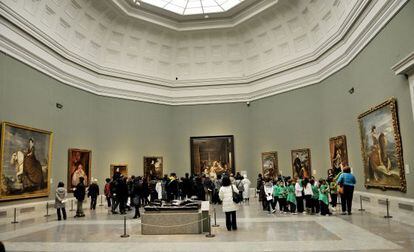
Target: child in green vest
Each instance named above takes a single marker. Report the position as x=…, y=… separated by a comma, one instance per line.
x=282, y=197
x=333, y=187
x=315, y=197
x=323, y=197
x=291, y=196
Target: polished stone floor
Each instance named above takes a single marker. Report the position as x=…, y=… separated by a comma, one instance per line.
x=257, y=231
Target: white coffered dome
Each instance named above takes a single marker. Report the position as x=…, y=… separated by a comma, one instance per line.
x=256, y=49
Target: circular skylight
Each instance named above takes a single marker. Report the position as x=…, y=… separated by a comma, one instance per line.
x=193, y=7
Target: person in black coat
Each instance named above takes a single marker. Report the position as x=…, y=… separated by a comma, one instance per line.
x=199, y=189
x=93, y=192
x=136, y=194
x=122, y=194
x=172, y=187
x=187, y=186
x=80, y=197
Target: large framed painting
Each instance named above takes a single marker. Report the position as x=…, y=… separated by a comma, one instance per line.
x=270, y=167
x=381, y=147
x=301, y=163
x=121, y=168
x=25, y=162
x=79, y=165
x=338, y=153
x=153, y=166
x=212, y=155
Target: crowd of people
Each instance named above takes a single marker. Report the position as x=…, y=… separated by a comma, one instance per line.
x=301, y=195
x=307, y=195
x=124, y=193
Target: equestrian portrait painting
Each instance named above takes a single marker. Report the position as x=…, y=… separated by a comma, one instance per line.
x=381, y=147
x=25, y=162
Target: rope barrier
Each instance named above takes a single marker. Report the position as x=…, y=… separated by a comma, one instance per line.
x=179, y=225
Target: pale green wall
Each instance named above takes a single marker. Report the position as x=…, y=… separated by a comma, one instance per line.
x=308, y=117
x=122, y=131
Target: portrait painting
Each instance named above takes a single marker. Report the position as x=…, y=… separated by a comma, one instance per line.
x=339, y=155
x=25, y=162
x=301, y=163
x=153, y=166
x=381, y=147
x=212, y=155
x=119, y=168
x=79, y=165
x=270, y=167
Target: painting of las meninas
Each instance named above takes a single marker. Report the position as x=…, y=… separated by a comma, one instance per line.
x=79, y=166
x=269, y=164
x=381, y=147
x=301, y=163
x=25, y=162
x=212, y=155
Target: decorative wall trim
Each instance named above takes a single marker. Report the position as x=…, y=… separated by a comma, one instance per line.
x=406, y=67
x=37, y=53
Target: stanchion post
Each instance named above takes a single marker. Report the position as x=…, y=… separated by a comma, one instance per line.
x=101, y=201
x=209, y=235
x=360, y=202
x=215, y=218
x=388, y=216
x=47, y=210
x=125, y=235
x=14, y=217
x=71, y=206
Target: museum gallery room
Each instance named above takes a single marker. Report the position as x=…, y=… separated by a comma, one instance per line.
x=207, y=125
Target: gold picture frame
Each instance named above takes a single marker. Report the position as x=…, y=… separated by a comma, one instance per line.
x=85, y=158
x=304, y=168
x=338, y=151
x=270, y=167
x=25, y=182
x=123, y=169
x=382, y=152
x=153, y=166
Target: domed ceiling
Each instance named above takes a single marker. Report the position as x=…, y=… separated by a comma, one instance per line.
x=244, y=52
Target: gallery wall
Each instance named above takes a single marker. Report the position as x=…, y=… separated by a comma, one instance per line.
x=122, y=132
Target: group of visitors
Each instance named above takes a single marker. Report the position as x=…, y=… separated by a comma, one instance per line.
x=309, y=196
x=293, y=196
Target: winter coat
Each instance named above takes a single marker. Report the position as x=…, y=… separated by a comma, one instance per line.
x=80, y=192
x=226, y=195
x=60, y=197
x=246, y=184
x=93, y=190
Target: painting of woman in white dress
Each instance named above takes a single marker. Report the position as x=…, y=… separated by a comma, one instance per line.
x=79, y=166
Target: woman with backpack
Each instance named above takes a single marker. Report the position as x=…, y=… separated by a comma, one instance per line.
x=229, y=206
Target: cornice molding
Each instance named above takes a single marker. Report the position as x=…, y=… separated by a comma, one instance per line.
x=405, y=66
x=38, y=54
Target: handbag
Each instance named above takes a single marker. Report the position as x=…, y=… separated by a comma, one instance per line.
x=341, y=190
x=236, y=197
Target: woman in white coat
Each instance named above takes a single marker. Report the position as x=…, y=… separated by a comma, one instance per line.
x=229, y=207
x=246, y=192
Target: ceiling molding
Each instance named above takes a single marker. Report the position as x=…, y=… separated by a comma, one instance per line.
x=38, y=53
x=182, y=24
